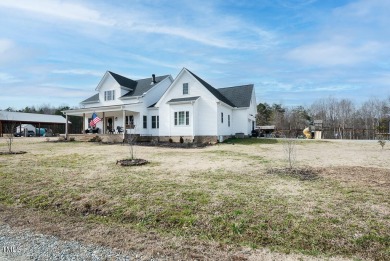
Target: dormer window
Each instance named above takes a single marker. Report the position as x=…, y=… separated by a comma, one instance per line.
x=185, y=88
x=109, y=95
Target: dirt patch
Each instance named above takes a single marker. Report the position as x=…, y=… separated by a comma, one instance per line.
x=365, y=176
x=132, y=162
x=299, y=173
x=12, y=152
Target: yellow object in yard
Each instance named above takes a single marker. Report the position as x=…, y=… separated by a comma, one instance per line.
x=307, y=133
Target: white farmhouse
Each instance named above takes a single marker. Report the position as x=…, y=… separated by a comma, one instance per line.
x=164, y=108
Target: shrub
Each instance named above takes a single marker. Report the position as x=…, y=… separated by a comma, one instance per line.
x=95, y=139
x=382, y=143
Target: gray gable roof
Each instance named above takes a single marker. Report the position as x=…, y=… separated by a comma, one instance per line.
x=211, y=89
x=237, y=96
x=123, y=81
x=94, y=98
x=240, y=96
x=143, y=85
x=138, y=87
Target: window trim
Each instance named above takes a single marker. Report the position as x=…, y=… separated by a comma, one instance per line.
x=155, y=122
x=182, y=118
x=145, y=122
x=109, y=95
x=187, y=88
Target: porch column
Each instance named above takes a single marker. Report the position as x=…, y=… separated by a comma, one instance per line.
x=104, y=123
x=124, y=123
x=39, y=129
x=66, y=127
x=83, y=123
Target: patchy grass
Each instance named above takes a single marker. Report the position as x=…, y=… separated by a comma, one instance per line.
x=235, y=200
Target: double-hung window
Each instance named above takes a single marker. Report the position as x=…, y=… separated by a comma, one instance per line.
x=129, y=120
x=185, y=88
x=221, y=117
x=155, y=122
x=109, y=95
x=228, y=120
x=182, y=118
x=145, y=122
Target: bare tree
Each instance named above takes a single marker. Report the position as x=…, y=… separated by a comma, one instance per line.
x=131, y=138
x=289, y=149
x=345, y=110
x=9, y=129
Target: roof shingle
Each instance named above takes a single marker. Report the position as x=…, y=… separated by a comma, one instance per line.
x=240, y=96
x=237, y=96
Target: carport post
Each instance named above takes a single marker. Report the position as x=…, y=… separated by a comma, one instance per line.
x=66, y=127
x=124, y=123
x=83, y=123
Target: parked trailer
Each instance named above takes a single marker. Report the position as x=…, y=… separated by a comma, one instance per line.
x=40, y=132
x=26, y=130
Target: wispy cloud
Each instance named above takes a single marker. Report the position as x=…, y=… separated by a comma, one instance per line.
x=59, y=9
x=334, y=53
x=6, y=78
x=5, y=45
x=79, y=72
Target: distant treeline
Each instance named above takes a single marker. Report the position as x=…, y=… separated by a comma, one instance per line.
x=342, y=118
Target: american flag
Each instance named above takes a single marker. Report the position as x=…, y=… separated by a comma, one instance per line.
x=95, y=120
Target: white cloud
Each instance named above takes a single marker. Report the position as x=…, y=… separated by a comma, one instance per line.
x=152, y=61
x=5, y=46
x=79, y=72
x=334, y=53
x=334, y=88
x=6, y=78
x=295, y=4
x=58, y=9
x=209, y=26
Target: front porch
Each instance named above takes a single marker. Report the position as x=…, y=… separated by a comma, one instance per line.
x=114, y=120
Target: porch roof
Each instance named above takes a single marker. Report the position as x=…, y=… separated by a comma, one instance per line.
x=80, y=112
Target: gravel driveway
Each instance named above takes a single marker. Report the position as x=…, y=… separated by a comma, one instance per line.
x=25, y=245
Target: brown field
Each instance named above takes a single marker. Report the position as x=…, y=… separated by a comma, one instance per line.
x=227, y=202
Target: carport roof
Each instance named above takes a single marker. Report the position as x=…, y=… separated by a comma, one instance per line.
x=31, y=117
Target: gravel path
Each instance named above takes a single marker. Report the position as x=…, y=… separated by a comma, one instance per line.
x=25, y=245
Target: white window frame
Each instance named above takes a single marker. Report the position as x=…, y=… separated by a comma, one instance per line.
x=181, y=118
x=155, y=122
x=186, y=88
x=145, y=121
x=129, y=120
x=109, y=95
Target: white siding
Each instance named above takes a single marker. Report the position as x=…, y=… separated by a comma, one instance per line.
x=203, y=122
x=223, y=127
x=108, y=84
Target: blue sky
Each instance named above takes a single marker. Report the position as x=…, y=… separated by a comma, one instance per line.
x=55, y=52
